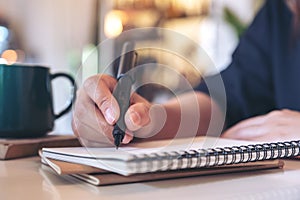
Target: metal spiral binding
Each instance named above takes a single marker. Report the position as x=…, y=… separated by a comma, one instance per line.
x=216, y=156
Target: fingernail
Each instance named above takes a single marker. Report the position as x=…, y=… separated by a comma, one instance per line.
x=135, y=118
x=127, y=138
x=109, y=116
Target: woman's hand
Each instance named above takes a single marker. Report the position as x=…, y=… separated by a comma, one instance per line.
x=96, y=111
x=278, y=125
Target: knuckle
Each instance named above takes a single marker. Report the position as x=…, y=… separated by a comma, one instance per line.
x=140, y=108
x=287, y=111
x=102, y=101
x=108, y=80
x=90, y=81
x=274, y=113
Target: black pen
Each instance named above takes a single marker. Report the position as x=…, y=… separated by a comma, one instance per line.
x=123, y=89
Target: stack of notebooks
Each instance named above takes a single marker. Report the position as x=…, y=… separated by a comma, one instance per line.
x=166, y=159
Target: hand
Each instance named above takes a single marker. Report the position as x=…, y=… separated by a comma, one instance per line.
x=278, y=125
x=96, y=111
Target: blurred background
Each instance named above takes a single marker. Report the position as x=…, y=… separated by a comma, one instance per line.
x=62, y=33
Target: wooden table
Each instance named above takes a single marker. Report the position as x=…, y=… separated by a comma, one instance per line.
x=28, y=179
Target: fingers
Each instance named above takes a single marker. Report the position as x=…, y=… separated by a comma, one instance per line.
x=99, y=90
x=88, y=122
x=137, y=116
x=143, y=118
x=156, y=119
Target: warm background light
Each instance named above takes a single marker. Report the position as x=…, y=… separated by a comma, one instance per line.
x=10, y=56
x=113, y=25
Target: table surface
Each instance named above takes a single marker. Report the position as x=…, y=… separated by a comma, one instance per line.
x=28, y=179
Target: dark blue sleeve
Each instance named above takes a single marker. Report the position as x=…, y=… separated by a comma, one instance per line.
x=248, y=79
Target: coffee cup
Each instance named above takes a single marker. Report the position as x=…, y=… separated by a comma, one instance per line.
x=26, y=100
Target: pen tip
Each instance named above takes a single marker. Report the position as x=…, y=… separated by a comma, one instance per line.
x=117, y=143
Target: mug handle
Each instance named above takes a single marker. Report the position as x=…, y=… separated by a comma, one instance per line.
x=69, y=106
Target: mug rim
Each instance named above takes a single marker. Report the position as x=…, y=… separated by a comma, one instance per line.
x=25, y=65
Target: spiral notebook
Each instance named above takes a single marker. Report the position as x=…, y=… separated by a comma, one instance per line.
x=101, y=177
x=176, y=154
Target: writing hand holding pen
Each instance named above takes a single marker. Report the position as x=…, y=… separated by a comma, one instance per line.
x=96, y=112
x=123, y=89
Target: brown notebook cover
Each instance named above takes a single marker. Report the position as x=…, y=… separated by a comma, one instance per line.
x=101, y=177
x=18, y=148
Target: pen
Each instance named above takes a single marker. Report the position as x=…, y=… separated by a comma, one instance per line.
x=123, y=88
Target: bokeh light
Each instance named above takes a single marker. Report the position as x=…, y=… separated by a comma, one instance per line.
x=10, y=56
x=113, y=24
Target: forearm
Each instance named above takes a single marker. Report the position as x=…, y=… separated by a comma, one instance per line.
x=190, y=115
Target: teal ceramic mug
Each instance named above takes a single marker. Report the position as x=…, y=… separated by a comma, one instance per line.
x=26, y=100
